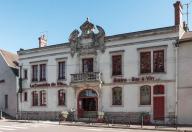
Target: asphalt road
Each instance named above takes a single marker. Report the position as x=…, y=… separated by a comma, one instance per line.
x=11, y=126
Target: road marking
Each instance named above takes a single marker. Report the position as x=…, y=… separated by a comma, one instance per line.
x=91, y=129
x=19, y=127
x=8, y=129
x=99, y=130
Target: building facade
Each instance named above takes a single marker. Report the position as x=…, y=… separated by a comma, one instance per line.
x=8, y=82
x=122, y=75
x=184, y=79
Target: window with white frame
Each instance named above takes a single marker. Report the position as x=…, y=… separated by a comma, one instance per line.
x=145, y=95
x=34, y=98
x=117, y=96
x=42, y=76
x=34, y=73
x=116, y=65
x=43, y=98
x=61, y=70
x=61, y=97
x=38, y=72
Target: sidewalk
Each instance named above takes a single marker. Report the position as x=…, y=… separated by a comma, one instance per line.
x=104, y=125
x=120, y=126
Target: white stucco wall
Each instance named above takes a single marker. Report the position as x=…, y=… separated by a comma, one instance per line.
x=185, y=83
x=8, y=88
x=131, y=66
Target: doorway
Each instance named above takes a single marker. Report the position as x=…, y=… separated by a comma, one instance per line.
x=87, y=103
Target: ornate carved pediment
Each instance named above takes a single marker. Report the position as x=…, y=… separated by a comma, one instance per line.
x=89, y=41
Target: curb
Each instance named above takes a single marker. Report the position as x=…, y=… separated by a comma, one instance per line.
x=122, y=127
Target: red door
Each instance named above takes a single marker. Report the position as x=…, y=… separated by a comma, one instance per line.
x=158, y=108
x=80, y=108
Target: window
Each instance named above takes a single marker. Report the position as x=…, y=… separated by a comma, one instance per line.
x=117, y=96
x=152, y=61
x=6, y=101
x=25, y=96
x=34, y=98
x=61, y=70
x=158, y=61
x=158, y=89
x=61, y=97
x=145, y=95
x=42, y=72
x=43, y=98
x=116, y=65
x=25, y=74
x=34, y=73
x=87, y=65
x=145, y=62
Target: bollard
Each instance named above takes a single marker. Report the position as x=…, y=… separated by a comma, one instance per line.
x=142, y=121
x=1, y=114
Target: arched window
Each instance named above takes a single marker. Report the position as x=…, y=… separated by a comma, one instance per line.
x=158, y=89
x=34, y=98
x=145, y=95
x=43, y=99
x=88, y=93
x=117, y=96
x=61, y=97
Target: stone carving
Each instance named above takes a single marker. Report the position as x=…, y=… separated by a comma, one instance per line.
x=73, y=39
x=88, y=42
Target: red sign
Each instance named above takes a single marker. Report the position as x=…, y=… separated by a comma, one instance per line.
x=58, y=84
x=134, y=79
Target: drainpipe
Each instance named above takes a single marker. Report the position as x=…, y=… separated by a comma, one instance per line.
x=20, y=89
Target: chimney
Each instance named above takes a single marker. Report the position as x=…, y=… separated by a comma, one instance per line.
x=42, y=41
x=178, y=13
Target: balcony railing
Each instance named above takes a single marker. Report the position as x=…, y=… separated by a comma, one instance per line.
x=86, y=77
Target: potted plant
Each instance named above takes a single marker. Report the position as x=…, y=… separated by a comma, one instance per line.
x=100, y=116
x=64, y=115
x=146, y=117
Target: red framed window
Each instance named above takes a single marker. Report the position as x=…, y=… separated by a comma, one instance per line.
x=158, y=61
x=61, y=70
x=116, y=65
x=34, y=98
x=25, y=96
x=61, y=97
x=117, y=96
x=158, y=89
x=145, y=62
x=34, y=73
x=43, y=98
x=87, y=65
x=145, y=95
x=42, y=72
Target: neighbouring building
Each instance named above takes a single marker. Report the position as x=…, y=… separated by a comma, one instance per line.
x=121, y=75
x=185, y=79
x=8, y=82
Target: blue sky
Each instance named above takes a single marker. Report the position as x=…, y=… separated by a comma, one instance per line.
x=23, y=21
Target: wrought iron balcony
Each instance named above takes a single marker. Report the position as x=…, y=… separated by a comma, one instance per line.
x=86, y=77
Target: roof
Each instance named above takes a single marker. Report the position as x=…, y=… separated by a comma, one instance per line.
x=187, y=36
x=10, y=58
x=131, y=35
